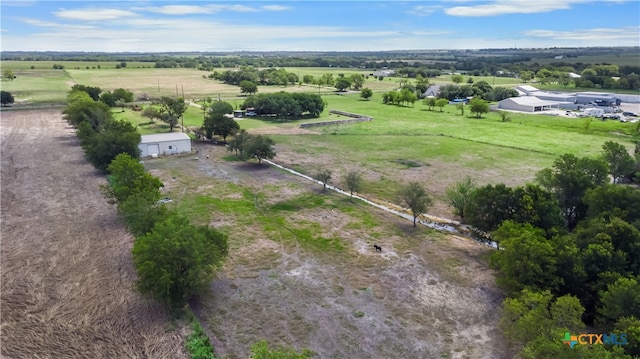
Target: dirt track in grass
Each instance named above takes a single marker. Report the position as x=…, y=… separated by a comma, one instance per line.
x=67, y=274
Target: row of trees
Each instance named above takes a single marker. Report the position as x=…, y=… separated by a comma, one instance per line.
x=269, y=76
x=570, y=251
x=285, y=104
x=174, y=258
x=101, y=137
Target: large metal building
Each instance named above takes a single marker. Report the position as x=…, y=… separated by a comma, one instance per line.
x=164, y=144
x=527, y=104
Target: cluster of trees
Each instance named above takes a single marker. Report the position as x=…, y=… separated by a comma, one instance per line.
x=604, y=76
x=170, y=111
x=480, y=89
x=570, y=251
x=269, y=76
x=216, y=123
x=246, y=145
x=402, y=97
x=101, y=137
x=285, y=104
x=174, y=258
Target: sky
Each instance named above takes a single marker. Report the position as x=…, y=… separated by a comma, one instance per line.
x=179, y=26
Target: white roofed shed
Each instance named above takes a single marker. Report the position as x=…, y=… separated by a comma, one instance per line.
x=164, y=144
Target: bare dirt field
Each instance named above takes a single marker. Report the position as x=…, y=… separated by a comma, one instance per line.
x=67, y=274
x=427, y=295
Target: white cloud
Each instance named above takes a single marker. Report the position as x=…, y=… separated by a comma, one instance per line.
x=179, y=9
x=423, y=10
x=40, y=23
x=599, y=35
x=503, y=7
x=275, y=7
x=93, y=14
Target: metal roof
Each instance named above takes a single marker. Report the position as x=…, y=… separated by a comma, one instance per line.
x=530, y=101
x=164, y=137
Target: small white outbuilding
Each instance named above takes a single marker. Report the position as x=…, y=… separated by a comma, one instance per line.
x=164, y=144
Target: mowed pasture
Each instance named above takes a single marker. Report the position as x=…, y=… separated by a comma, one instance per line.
x=68, y=280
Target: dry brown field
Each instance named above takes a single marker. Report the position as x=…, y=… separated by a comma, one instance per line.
x=67, y=275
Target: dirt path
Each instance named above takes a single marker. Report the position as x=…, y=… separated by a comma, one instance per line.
x=67, y=275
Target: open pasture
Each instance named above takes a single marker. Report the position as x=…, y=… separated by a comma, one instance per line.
x=38, y=86
x=435, y=148
x=302, y=269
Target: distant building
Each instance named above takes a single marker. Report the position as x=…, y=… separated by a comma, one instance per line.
x=598, y=98
x=164, y=144
x=527, y=104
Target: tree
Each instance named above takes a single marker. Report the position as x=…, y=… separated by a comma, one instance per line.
x=151, y=113
x=240, y=139
x=527, y=258
x=416, y=198
x=621, y=299
x=307, y=79
x=171, y=110
x=260, y=147
x=457, y=79
x=430, y=102
x=82, y=108
x=366, y=93
x=324, y=176
x=353, y=181
x=94, y=92
x=342, y=83
x=6, y=98
x=460, y=107
x=357, y=80
x=613, y=201
x=630, y=326
x=177, y=260
x=225, y=126
x=569, y=180
x=140, y=215
x=526, y=75
x=620, y=161
x=249, y=87
x=117, y=137
x=478, y=106
x=127, y=176
x=8, y=74
x=217, y=123
x=460, y=194
x=441, y=102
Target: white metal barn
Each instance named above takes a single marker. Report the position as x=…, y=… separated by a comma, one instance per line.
x=527, y=104
x=164, y=144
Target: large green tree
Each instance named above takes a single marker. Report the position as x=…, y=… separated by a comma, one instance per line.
x=177, y=260
x=127, y=176
x=260, y=147
x=569, y=179
x=620, y=162
x=416, y=198
x=526, y=260
x=171, y=110
x=248, y=87
x=117, y=137
x=478, y=106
